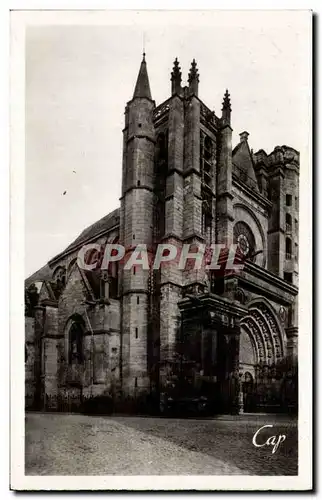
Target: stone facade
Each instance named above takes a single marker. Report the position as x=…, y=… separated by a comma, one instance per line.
x=120, y=332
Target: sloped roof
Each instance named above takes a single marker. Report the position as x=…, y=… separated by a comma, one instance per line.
x=243, y=165
x=142, y=87
x=43, y=274
x=103, y=224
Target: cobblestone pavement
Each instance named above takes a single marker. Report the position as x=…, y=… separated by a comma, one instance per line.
x=66, y=444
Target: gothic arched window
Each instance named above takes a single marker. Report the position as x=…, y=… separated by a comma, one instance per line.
x=206, y=214
x=162, y=147
x=206, y=159
x=58, y=281
x=161, y=168
x=244, y=239
x=288, y=223
x=59, y=275
x=76, y=343
x=288, y=248
x=208, y=146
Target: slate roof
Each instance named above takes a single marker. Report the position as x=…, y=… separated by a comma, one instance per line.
x=142, y=87
x=43, y=274
x=102, y=225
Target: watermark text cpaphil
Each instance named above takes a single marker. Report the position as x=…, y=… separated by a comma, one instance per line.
x=192, y=256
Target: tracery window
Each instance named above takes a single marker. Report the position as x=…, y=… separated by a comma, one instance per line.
x=244, y=239
x=206, y=159
x=59, y=276
x=59, y=280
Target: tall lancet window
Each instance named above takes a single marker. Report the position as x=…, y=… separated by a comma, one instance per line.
x=206, y=160
x=288, y=248
x=206, y=170
x=76, y=333
x=207, y=215
x=161, y=169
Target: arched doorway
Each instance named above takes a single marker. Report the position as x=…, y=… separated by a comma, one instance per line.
x=261, y=349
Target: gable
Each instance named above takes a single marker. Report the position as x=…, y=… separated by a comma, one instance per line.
x=77, y=286
x=243, y=166
x=44, y=293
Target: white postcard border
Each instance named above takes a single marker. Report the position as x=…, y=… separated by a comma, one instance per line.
x=19, y=481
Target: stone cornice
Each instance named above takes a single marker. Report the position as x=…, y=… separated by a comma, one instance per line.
x=192, y=236
x=191, y=170
x=266, y=284
x=224, y=194
x=142, y=186
x=224, y=126
x=264, y=202
x=146, y=98
x=49, y=303
x=135, y=290
x=169, y=282
x=108, y=331
x=211, y=300
x=169, y=236
x=140, y=136
x=266, y=275
x=52, y=336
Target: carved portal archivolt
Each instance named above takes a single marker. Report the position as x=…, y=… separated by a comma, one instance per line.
x=265, y=334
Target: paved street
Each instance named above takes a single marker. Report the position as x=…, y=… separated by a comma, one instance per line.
x=66, y=444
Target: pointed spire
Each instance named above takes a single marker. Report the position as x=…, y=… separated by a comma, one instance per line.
x=142, y=87
x=193, y=78
x=226, y=108
x=176, y=73
x=226, y=101
x=193, y=73
x=176, y=77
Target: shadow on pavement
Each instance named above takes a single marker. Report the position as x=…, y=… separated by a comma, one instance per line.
x=229, y=440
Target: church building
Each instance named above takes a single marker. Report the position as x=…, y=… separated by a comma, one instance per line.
x=124, y=333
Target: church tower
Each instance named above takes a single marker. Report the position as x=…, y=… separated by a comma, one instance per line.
x=136, y=227
x=225, y=215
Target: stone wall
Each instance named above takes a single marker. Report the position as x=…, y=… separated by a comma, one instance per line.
x=30, y=354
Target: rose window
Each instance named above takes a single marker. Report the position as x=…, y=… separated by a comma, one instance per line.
x=244, y=239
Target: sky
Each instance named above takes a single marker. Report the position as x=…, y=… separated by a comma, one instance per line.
x=79, y=76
